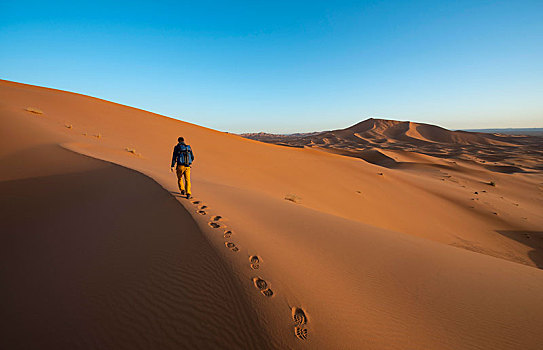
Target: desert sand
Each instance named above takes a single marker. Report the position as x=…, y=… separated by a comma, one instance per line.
x=382, y=236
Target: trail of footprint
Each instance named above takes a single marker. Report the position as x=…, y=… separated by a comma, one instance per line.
x=262, y=285
x=232, y=246
x=255, y=261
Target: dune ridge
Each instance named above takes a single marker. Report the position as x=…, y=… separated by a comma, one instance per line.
x=373, y=256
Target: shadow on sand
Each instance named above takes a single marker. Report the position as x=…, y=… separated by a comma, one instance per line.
x=532, y=239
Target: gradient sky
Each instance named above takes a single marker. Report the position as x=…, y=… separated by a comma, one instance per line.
x=288, y=66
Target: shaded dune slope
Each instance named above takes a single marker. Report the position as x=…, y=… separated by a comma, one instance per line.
x=95, y=255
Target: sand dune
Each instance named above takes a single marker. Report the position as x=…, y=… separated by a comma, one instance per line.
x=364, y=255
x=518, y=153
x=98, y=256
x=409, y=131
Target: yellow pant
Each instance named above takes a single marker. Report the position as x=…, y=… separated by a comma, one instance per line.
x=183, y=171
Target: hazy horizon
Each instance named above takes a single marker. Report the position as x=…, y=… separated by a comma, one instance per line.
x=288, y=67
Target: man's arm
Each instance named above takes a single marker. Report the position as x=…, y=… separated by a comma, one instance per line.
x=191, y=154
x=174, y=156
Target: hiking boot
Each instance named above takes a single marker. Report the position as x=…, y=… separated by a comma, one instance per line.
x=182, y=192
x=188, y=196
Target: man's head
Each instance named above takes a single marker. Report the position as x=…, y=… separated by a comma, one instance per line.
x=180, y=139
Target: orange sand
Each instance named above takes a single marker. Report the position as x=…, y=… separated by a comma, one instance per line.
x=99, y=254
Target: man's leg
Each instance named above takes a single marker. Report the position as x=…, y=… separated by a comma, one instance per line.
x=179, y=172
x=187, y=179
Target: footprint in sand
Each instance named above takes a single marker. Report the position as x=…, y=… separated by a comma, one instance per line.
x=301, y=333
x=232, y=246
x=201, y=209
x=196, y=202
x=298, y=315
x=268, y=292
x=214, y=225
x=217, y=218
x=262, y=286
x=227, y=234
x=255, y=261
x=300, y=319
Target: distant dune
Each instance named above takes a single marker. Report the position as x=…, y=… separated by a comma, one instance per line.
x=515, y=153
x=384, y=235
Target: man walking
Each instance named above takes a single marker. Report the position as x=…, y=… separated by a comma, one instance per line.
x=183, y=156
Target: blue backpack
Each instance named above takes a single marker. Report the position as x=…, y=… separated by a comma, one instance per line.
x=185, y=155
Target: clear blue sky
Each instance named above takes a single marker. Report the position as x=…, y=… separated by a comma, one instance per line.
x=286, y=66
